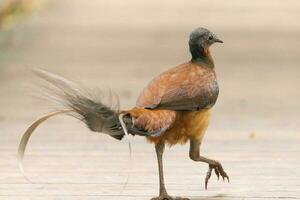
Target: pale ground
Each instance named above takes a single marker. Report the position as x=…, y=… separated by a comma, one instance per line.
x=122, y=45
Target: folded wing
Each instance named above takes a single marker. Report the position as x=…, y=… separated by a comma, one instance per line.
x=186, y=87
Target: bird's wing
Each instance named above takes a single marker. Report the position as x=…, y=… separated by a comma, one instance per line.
x=186, y=87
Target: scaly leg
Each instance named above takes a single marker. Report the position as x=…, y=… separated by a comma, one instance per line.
x=212, y=164
x=163, y=195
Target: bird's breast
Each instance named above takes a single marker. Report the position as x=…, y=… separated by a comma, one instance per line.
x=213, y=92
x=207, y=89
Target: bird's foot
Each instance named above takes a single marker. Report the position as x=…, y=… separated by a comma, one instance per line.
x=219, y=171
x=167, y=197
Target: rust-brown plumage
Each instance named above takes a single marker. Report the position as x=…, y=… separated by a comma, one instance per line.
x=173, y=109
x=174, y=100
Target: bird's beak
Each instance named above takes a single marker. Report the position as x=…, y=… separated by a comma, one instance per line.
x=216, y=39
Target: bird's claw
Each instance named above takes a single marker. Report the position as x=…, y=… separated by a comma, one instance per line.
x=219, y=171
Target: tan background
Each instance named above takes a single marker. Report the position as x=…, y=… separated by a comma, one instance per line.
x=121, y=45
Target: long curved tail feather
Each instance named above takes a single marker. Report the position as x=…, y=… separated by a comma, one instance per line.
x=87, y=107
x=29, y=132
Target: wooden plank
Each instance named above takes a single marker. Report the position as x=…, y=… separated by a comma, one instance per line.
x=254, y=130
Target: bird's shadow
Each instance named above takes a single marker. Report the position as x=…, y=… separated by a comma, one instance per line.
x=215, y=197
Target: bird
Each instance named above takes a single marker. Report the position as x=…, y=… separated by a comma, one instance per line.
x=174, y=108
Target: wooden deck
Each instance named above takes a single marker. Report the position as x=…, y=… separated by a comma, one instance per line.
x=255, y=127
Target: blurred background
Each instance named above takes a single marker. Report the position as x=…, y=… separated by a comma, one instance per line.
x=122, y=45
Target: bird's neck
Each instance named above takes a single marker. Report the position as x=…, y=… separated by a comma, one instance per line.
x=201, y=56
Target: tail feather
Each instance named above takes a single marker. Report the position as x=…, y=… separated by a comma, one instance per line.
x=86, y=105
x=28, y=133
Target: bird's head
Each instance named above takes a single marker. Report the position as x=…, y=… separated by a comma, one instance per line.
x=200, y=41
x=203, y=37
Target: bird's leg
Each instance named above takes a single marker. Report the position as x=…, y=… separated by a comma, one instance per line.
x=159, y=148
x=163, y=195
x=212, y=164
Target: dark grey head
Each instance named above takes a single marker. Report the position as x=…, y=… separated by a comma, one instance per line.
x=203, y=37
x=200, y=40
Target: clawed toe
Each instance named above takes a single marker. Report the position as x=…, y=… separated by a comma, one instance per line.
x=219, y=171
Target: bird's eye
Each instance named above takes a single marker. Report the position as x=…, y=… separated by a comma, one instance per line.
x=210, y=37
